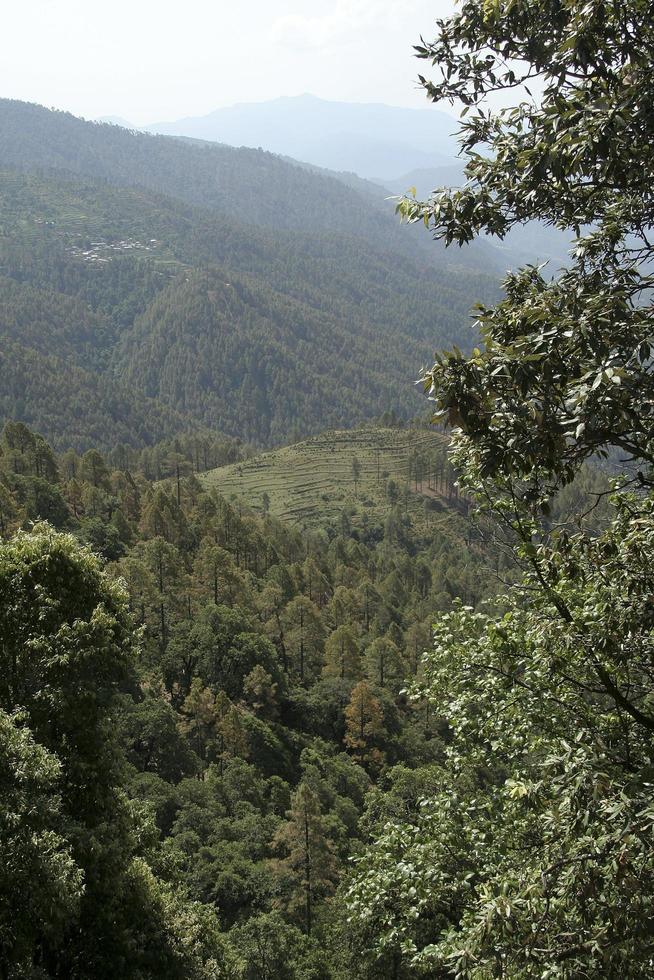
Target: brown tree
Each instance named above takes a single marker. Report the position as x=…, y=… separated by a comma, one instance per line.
x=364, y=723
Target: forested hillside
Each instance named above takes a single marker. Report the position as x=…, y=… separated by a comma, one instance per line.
x=252, y=186
x=242, y=739
x=162, y=316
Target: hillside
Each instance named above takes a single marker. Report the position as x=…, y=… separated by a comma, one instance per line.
x=76, y=407
x=255, y=362
x=266, y=335
x=249, y=185
x=312, y=482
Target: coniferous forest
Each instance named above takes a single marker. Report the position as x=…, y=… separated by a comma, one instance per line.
x=309, y=672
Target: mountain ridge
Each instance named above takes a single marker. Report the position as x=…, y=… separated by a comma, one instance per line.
x=327, y=319
x=340, y=136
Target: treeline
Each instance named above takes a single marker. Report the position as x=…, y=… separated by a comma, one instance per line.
x=267, y=699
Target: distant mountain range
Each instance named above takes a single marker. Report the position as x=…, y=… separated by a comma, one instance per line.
x=371, y=140
x=381, y=143
x=374, y=141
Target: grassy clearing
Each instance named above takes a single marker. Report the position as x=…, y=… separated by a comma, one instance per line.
x=311, y=482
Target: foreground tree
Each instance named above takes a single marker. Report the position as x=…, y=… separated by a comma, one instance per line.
x=40, y=883
x=535, y=856
x=77, y=878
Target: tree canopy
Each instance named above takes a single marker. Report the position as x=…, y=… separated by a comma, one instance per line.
x=186, y=740
x=77, y=856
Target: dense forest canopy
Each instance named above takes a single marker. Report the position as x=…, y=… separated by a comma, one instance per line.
x=190, y=719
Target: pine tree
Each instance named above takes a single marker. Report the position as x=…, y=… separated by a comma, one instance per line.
x=364, y=723
x=356, y=474
x=308, y=867
x=260, y=692
x=383, y=663
x=303, y=634
x=232, y=736
x=342, y=656
x=200, y=717
x=93, y=470
x=316, y=584
x=163, y=517
x=215, y=568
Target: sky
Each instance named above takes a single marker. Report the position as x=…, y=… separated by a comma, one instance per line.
x=157, y=60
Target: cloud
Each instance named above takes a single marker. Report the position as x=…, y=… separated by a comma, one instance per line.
x=347, y=21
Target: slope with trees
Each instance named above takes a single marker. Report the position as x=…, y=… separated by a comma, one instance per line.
x=258, y=188
x=149, y=294
x=194, y=720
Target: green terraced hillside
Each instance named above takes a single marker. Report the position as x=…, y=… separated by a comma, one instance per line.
x=311, y=482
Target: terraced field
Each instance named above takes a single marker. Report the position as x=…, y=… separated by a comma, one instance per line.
x=312, y=481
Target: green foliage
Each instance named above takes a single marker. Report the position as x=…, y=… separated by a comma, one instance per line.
x=564, y=371
x=530, y=849
x=383, y=663
x=179, y=745
x=527, y=852
x=89, y=899
x=271, y=949
x=66, y=647
x=40, y=883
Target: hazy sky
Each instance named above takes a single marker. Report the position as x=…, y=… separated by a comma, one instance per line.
x=152, y=60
